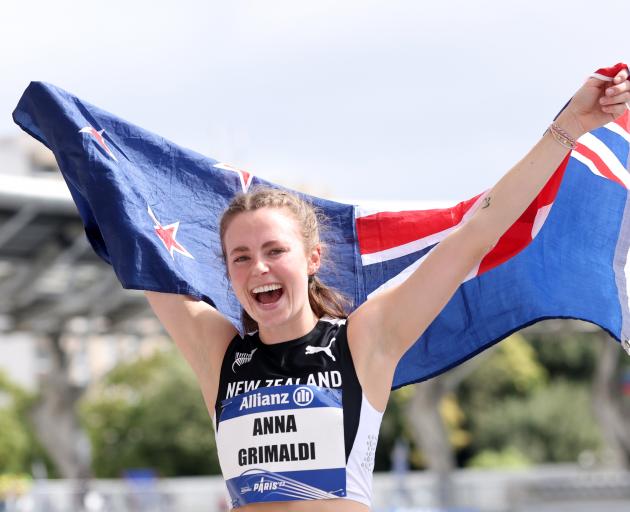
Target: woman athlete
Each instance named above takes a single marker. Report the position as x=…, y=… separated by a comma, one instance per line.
x=277, y=450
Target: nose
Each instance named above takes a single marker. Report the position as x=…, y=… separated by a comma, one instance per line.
x=261, y=266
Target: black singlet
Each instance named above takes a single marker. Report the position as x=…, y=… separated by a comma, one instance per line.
x=250, y=364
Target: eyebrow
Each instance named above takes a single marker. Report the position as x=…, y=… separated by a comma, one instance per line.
x=243, y=248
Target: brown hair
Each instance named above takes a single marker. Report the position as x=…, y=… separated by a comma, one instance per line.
x=324, y=301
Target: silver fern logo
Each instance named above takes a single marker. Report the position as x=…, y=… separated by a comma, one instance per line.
x=242, y=358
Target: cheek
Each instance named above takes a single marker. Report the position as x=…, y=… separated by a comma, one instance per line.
x=235, y=277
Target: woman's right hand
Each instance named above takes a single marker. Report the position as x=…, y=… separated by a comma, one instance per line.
x=599, y=102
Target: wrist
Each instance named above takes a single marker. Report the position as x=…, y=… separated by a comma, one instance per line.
x=562, y=137
x=568, y=121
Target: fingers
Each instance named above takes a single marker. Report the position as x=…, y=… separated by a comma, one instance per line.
x=620, y=88
x=615, y=110
x=622, y=76
x=615, y=98
x=621, y=97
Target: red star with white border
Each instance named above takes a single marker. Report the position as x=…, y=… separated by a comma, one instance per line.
x=245, y=177
x=167, y=234
x=98, y=137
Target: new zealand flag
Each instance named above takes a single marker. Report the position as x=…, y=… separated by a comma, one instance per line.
x=151, y=209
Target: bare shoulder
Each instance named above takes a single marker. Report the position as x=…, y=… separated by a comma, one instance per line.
x=200, y=332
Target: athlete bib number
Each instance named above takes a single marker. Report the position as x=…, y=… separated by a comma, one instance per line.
x=282, y=443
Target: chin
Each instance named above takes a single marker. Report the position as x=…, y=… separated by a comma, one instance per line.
x=274, y=320
x=267, y=319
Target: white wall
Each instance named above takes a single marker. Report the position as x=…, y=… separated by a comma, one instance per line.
x=18, y=358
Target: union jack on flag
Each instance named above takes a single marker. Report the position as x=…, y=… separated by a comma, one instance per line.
x=151, y=209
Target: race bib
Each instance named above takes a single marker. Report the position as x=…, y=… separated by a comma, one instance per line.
x=282, y=443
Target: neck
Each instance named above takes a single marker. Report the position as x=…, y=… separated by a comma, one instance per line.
x=290, y=330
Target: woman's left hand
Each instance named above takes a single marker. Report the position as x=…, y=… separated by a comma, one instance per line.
x=599, y=102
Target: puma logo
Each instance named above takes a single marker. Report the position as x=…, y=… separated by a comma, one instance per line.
x=310, y=349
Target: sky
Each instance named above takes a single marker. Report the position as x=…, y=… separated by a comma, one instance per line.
x=364, y=100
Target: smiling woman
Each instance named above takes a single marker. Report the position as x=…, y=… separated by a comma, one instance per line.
x=323, y=378
x=287, y=229
x=293, y=370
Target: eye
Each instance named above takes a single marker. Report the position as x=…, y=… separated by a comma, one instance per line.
x=240, y=259
x=276, y=251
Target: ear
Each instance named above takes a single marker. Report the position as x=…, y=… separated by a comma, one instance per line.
x=314, y=259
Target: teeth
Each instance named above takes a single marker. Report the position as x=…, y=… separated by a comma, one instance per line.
x=266, y=288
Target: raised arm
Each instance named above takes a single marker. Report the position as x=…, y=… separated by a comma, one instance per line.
x=382, y=329
x=200, y=332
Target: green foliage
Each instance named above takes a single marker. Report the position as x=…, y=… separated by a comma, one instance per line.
x=509, y=457
x=553, y=424
x=18, y=445
x=530, y=403
x=571, y=356
x=14, y=448
x=14, y=485
x=150, y=413
x=512, y=369
x=453, y=418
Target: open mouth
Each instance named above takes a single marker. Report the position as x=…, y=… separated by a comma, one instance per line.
x=268, y=293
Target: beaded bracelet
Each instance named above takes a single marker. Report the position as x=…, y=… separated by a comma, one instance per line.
x=562, y=137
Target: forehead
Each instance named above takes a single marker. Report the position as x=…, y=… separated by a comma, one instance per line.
x=258, y=226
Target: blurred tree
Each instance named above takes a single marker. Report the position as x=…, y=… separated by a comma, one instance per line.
x=53, y=414
x=531, y=402
x=552, y=424
x=19, y=448
x=512, y=369
x=454, y=418
x=568, y=354
x=510, y=457
x=150, y=414
x=395, y=426
x=13, y=442
x=611, y=400
x=592, y=356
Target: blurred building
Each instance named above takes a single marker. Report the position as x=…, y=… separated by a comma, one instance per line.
x=51, y=282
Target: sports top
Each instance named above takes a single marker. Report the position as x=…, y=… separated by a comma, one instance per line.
x=292, y=422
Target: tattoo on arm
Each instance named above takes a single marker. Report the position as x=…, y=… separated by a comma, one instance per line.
x=486, y=202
